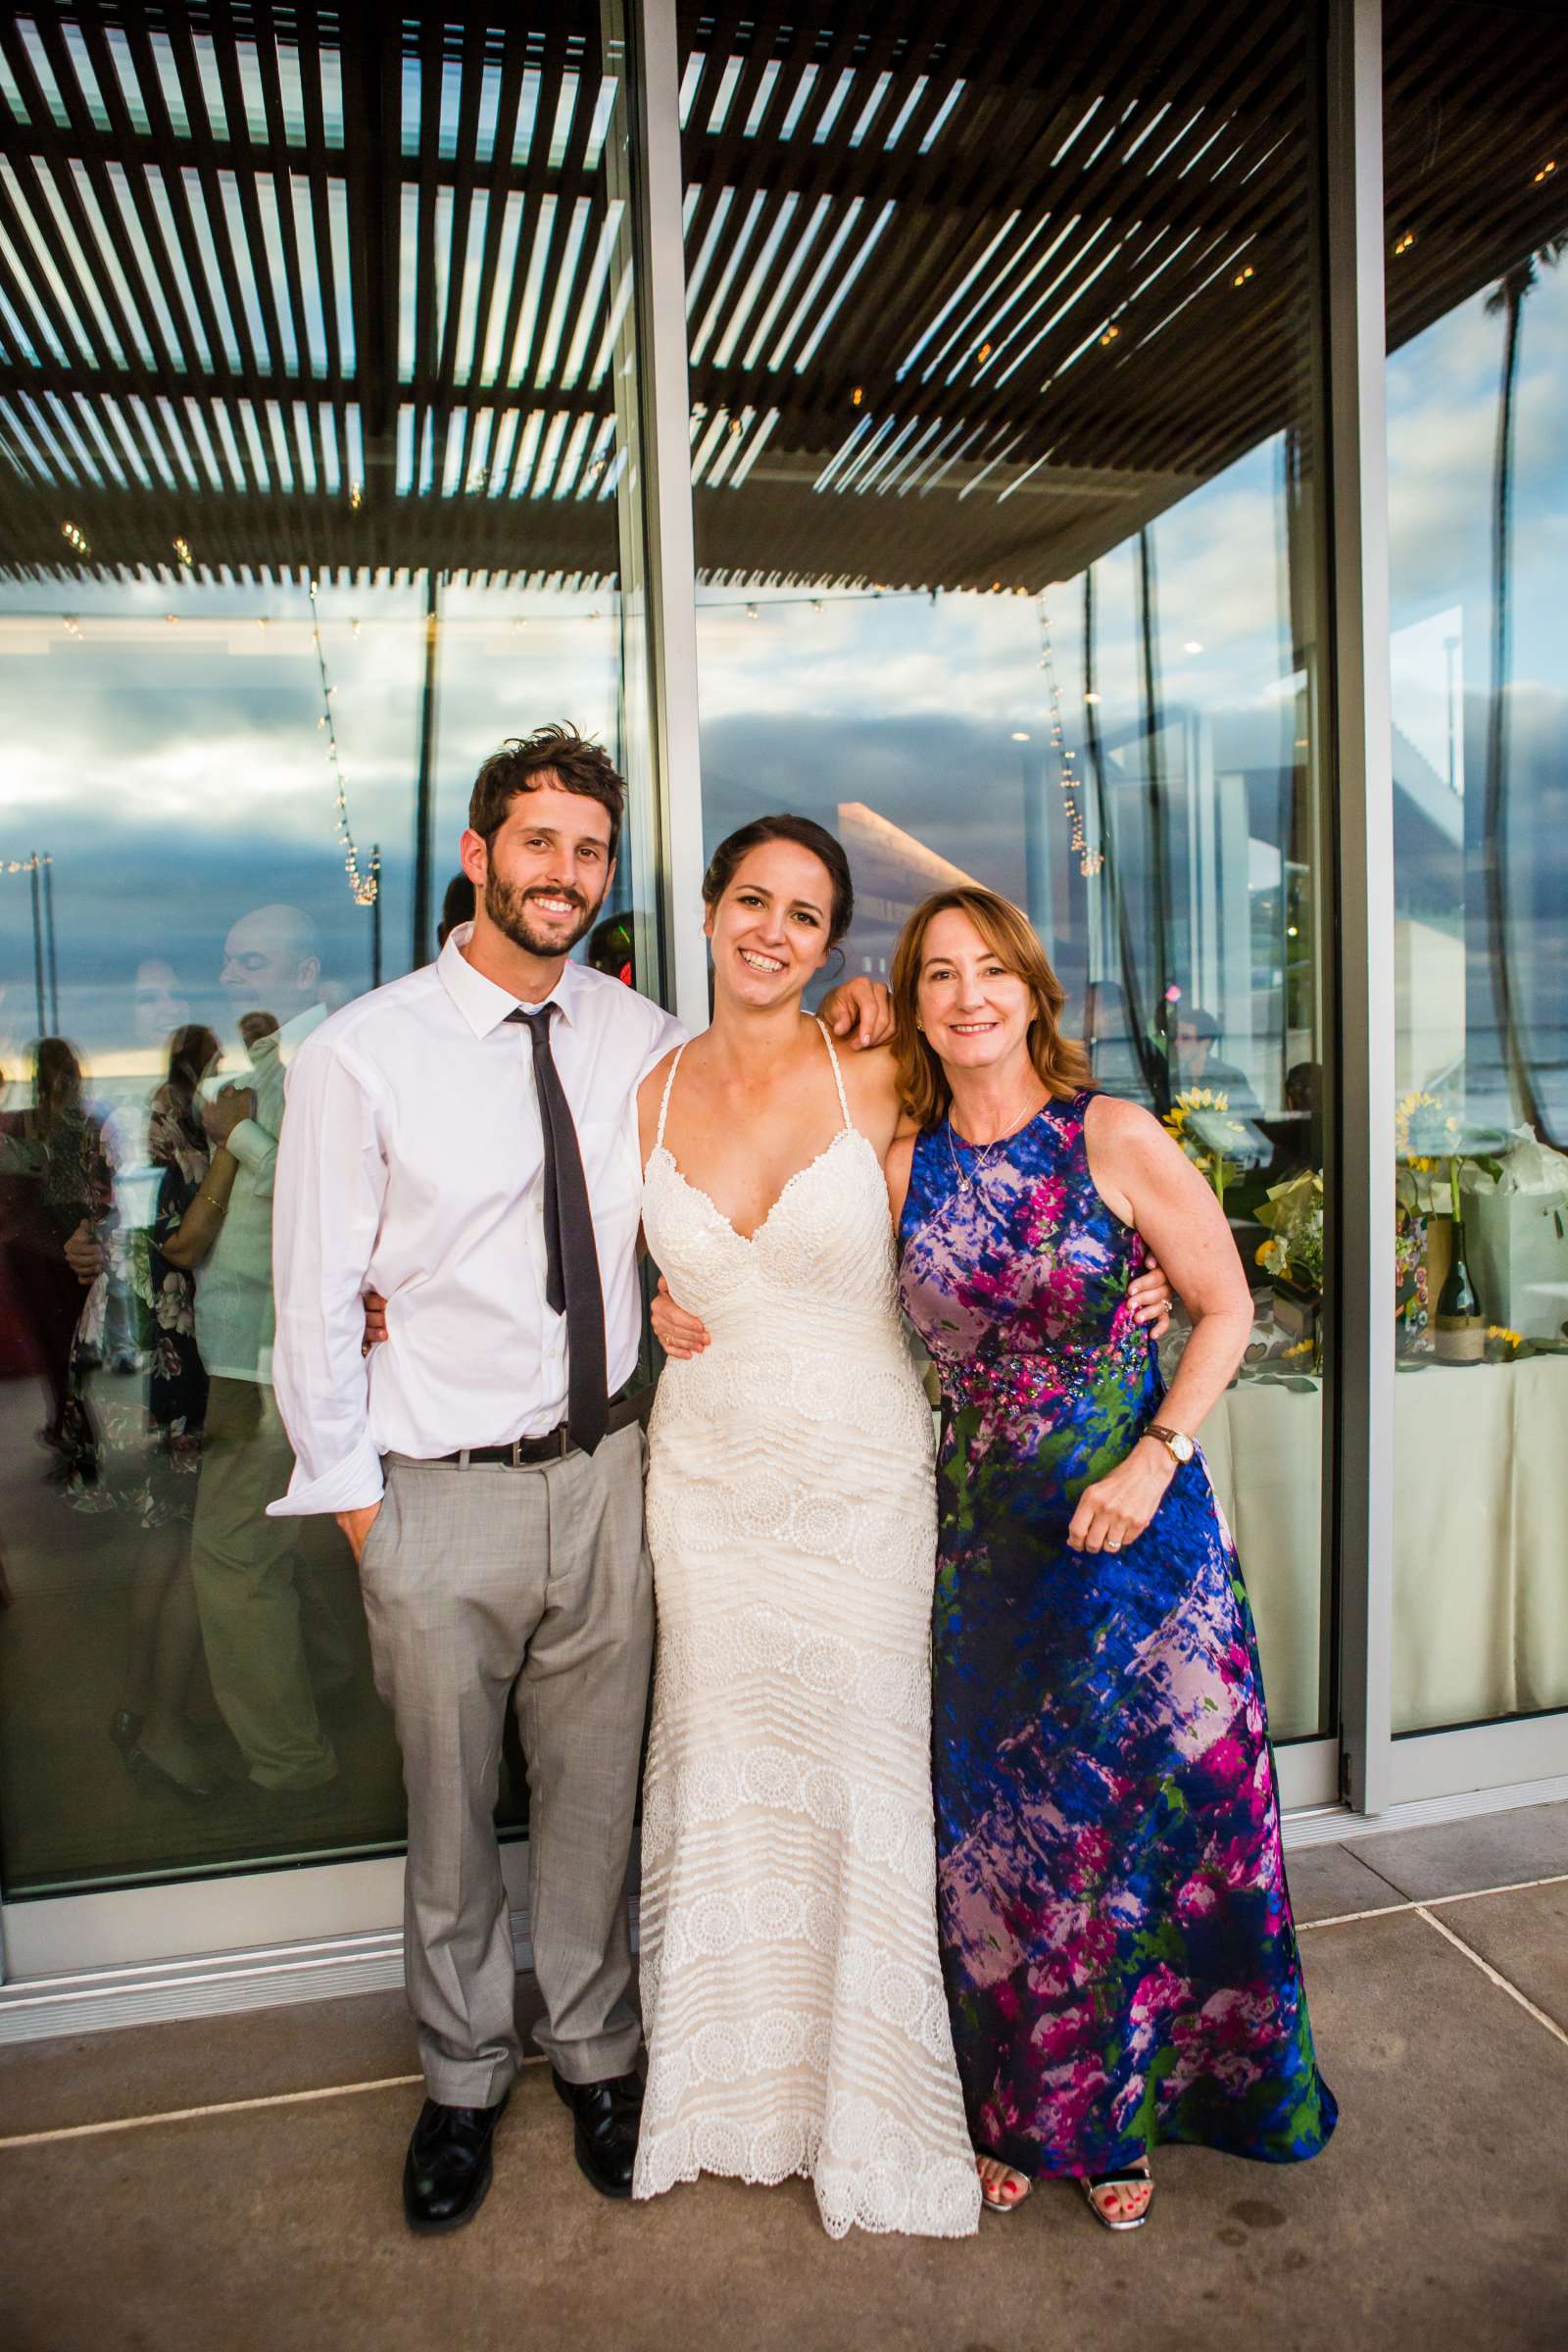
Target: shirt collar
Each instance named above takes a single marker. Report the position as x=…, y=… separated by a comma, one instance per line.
x=484, y=1005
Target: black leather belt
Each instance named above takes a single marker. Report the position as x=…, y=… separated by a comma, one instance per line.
x=524, y=1453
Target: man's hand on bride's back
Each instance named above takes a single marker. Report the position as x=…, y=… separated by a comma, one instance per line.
x=860, y=1010
x=374, y=1321
x=679, y=1334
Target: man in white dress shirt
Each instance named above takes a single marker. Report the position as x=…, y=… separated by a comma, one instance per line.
x=484, y=1175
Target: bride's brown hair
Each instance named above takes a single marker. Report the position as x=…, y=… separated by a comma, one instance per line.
x=1061, y=1062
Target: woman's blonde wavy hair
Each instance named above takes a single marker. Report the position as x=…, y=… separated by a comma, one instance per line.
x=1061, y=1063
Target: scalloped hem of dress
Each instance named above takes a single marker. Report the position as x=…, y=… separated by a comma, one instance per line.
x=834, y=2226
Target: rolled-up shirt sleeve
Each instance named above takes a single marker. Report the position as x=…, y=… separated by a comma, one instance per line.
x=329, y=1187
x=256, y=1150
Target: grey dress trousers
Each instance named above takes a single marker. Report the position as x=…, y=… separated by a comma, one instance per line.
x=477, y=1579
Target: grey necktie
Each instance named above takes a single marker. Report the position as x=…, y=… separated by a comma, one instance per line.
x=572, y=1279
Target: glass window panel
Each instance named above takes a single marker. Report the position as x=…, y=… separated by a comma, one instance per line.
x=1015, y=577
x=234, y=804
x=1476, y=222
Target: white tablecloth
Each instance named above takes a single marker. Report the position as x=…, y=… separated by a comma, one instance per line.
x=1480, y=1539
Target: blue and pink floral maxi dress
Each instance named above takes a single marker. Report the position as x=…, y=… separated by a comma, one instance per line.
x=1116, y=1935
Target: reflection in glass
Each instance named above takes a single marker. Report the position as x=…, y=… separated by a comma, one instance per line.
x=1007, y=519
x=1478, y=331
x=258, y=629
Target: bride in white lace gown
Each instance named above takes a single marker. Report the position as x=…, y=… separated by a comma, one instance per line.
x=792, y=1994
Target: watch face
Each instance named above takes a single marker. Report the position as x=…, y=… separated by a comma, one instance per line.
x=1183, y=1448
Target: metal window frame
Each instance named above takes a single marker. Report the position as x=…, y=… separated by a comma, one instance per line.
x=670, y=578
x=1380, y=1769
x=1361, y=1197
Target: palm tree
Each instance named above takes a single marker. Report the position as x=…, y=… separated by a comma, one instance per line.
x=1509, y=298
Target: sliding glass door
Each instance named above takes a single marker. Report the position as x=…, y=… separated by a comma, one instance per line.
x=317, y=463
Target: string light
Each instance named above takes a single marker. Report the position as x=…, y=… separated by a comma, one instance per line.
x=1404, y=243
x=366, y=887
x=1242, y=275
x=1089, y=861
x=27, y=865
x=1111, y=335
x=1547, y=169
x=857, y=396
x=78, y=539
x=182, y=550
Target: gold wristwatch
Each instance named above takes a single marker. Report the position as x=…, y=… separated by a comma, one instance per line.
x=1177, y=1444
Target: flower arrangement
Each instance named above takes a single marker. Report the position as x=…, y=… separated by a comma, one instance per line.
x=1200, y=1120
x=1425, y=1135
x=1292, y=1211
x=1429, y=1146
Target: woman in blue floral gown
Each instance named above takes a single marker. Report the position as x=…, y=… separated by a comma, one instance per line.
x=1116, y=1934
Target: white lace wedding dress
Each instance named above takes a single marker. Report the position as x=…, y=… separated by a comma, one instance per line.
x=791, y=1995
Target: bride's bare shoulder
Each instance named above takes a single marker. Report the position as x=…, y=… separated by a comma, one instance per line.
x=651, y=1088
x=871, y=1078
x=650, y=1095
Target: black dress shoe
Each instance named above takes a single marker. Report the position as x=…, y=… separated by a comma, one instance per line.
x=607, y=2116
x=448, y=2167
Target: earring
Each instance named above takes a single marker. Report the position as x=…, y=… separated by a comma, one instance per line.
x=919, y=1024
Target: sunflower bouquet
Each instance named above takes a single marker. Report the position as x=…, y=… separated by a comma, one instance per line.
x=1428, y=1139
x=1199, y=1119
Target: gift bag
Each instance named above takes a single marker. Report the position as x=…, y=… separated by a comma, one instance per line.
x=1516, y=1237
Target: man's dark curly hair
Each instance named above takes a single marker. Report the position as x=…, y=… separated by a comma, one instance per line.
x=556, y=755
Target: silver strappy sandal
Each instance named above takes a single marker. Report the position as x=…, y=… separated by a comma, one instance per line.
x=1134, y=2175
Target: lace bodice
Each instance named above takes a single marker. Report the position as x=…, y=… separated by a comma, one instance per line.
x=804, y=1314
x=826, y=1243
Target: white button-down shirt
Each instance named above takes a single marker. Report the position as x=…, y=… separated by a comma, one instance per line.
x=411, y=1163
x=235, y=1281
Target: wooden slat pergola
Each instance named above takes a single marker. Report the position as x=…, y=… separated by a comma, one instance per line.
x=973, y=291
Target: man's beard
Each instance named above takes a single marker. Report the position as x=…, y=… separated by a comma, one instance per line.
x=508, y=909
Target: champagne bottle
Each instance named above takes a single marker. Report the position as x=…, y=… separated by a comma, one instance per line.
x=1459, y=1333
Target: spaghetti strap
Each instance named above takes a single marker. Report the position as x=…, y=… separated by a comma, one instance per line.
x=663, y=1106
x=838, y=1074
